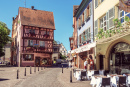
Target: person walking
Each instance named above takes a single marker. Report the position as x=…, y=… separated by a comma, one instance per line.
x=85, y=64
x=88, y=60
x=91, y=62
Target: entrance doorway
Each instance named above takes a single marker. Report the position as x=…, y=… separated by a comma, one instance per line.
x=101, y=62
x=37, y=61
x=120, y=58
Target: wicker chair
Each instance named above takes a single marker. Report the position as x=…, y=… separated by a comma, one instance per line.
x=122, y=82
x=105, y=82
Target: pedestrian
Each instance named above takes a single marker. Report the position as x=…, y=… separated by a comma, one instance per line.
x=91, y=62
x=70, y=64
x=85, y=64
x=88, y=60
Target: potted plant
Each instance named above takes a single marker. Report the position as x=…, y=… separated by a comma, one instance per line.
x=28, y=48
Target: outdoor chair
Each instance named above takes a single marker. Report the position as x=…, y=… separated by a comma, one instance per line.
x=122, y=82
x=96, y=72
x=105, y=82
x=106, y=72
x=83, y=74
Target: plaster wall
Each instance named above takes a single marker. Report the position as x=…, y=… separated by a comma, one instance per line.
x=103, y=8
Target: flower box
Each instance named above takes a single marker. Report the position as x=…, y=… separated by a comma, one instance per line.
x=46, y=35
x=42, y=48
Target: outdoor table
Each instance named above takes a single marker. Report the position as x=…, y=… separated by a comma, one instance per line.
x=90, y=73
x=101, y=72
x=97, y=80
x=77, y=73
x=114, y=79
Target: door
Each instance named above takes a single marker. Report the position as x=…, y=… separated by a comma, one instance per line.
x=101, y=62
x=37, y=61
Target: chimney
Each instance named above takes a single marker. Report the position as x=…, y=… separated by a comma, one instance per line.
x=13, y=18
x=32, y=7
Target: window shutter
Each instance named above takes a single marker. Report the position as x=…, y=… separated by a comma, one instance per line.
x=77, y=24
x=85, y=14
x=111, y=16
x=96, y=28
x=107, y=20
x=79, y=40
x=81, y=19
x=86, y=35
x=89, y=8
x=96, y=3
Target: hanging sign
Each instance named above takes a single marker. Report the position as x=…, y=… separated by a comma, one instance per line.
x=124, y=5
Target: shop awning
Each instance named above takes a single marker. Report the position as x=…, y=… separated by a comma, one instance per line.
x=84, y=48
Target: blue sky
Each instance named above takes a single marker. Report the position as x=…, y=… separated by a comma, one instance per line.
x=62, y=10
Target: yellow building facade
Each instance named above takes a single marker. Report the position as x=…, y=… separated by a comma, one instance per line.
x=113, y=45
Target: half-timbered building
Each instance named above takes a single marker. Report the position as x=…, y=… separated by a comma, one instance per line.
x=35, y=35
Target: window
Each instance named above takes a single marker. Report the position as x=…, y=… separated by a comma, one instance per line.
x=30, y=42
x=71, y=41
x=48, y=32
x=42, y=43
x=122, y=15
x=28, y=57
x=101, y=1
x=55, y=49
x=32, y=31
x=103, y=23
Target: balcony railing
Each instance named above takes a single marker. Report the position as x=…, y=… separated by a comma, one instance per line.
x=36, y=49
x=112, y=34
x=33, y=35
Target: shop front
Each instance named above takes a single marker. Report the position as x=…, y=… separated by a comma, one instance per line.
x=82, y=53
x=113, y=54
x=36, y=59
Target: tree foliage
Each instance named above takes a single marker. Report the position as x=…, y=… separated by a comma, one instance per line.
x=4, y=38
x=62, y=56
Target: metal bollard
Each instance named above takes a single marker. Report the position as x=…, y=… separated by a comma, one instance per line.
x=71, y=76
x=41, y=68
x=25, y=72
x=17, y=74
x=30, y=70
x=38, y=67
x=62, y=68
x=34, y=68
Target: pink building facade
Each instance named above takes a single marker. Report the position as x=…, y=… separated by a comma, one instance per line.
x=34, y=38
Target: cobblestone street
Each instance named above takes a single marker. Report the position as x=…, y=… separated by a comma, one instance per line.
x=48, y=77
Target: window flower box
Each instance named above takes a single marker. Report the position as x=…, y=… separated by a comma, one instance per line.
x=29, y=48
x=42, y=48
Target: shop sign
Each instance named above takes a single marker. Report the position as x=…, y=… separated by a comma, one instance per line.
x=122, y=47
x=124, y=5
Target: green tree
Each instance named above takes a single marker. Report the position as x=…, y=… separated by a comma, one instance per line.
x=4, y=38
x=62, y=56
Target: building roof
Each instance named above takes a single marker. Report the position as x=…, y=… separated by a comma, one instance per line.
x=38, y=18
x=81, y=8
